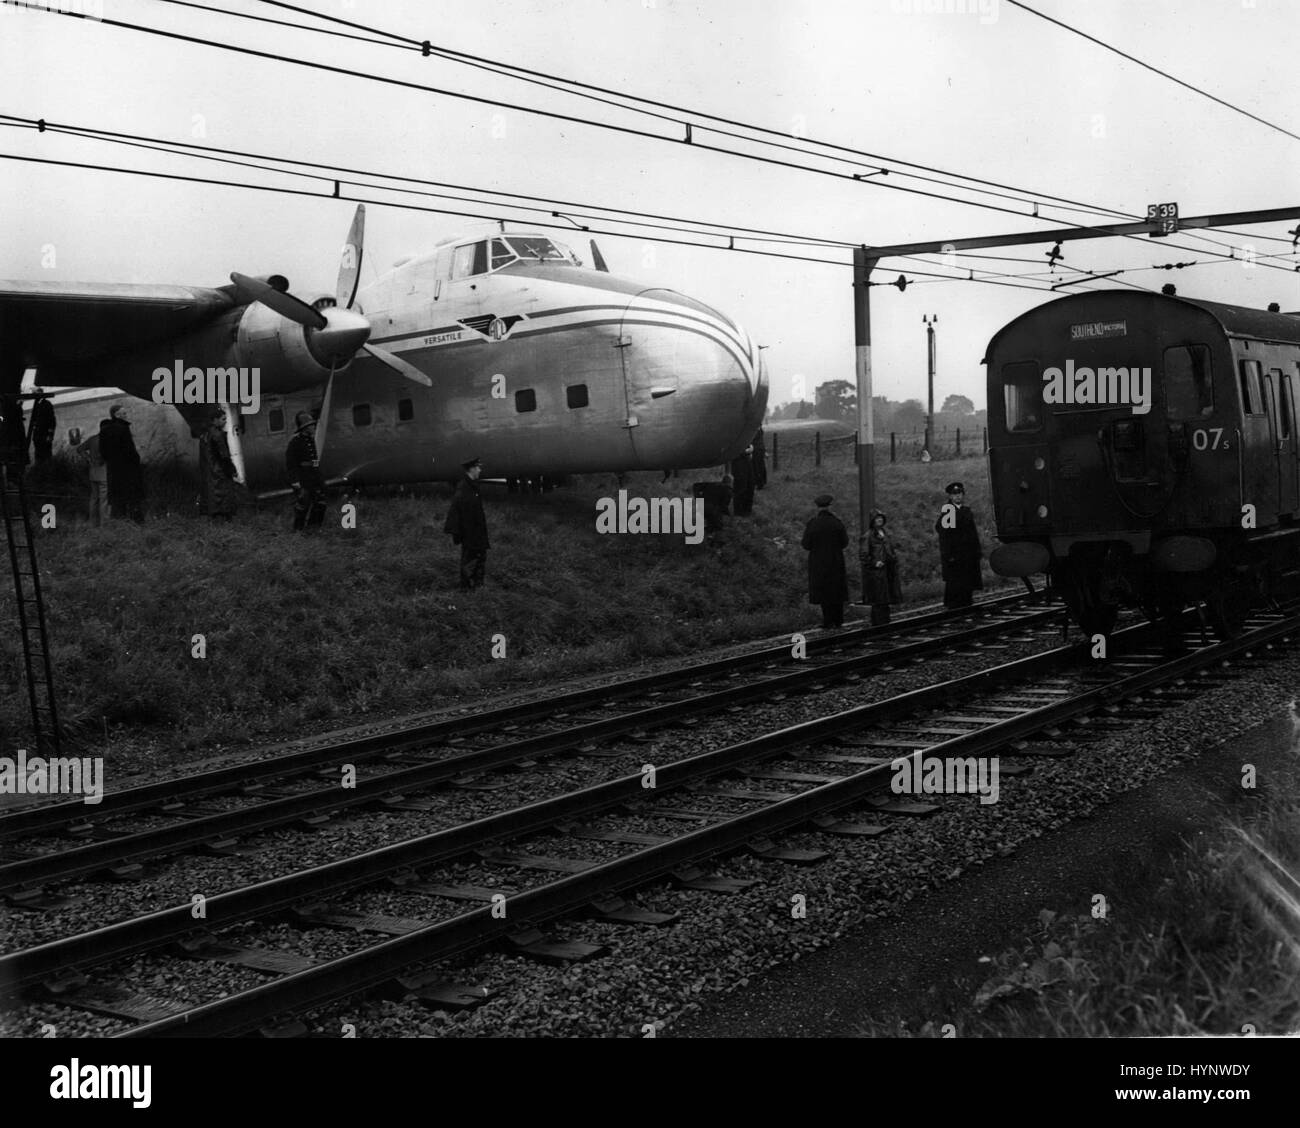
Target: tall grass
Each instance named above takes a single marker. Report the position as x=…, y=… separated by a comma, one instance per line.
x=1208, y=945
x=297, y=628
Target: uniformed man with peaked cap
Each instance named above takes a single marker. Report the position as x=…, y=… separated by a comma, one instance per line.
x=467, y=524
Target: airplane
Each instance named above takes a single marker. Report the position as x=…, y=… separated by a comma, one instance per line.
x=502, y=347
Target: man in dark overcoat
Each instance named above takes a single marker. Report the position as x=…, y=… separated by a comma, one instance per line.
x=125, y=474
x=742, y=490
x=759, y=447
x=43, y=426
x=825, y=539
x=219, y=497
x=959, y=549
x=467, y=524
x=302, y=462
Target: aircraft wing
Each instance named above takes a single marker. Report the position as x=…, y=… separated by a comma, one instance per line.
x=53, y=322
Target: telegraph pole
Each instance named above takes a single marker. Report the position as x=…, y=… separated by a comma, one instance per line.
x=929, y=321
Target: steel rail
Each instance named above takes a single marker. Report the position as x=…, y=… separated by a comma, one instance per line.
x=349, y=975
x=27, y=873
x=139, y=934
x=46, y=817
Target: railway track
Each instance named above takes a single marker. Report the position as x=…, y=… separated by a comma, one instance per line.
x=837, y=762
x=398, y=764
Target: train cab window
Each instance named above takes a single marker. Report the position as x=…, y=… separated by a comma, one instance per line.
x=1022, y=390
x=275, y=420
x=1189, y=385
x=470, y=259
x=1252, y=397
x=405, y=410
x=361, y=415
x=526, y=400
x=576, y=394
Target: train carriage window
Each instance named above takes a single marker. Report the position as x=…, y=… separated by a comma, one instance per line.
x=1252, y=398
x=361, y=415
x=1189, y=383
x=525, y=400
x=275, y=420
x=1022, y=389
x=1282, y=389
x=576, y=394
x=405, y=410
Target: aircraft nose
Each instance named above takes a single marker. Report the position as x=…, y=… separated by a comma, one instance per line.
x=345, y=331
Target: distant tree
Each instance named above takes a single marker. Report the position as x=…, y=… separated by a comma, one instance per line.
x=908, y=416
x=836, y=399
x=958, y=405
x=805, y=410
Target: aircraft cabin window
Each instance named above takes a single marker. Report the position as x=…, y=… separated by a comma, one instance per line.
x=1023, y=396
x=275, y=420
x=405, y=410
x=361, y=415
x=576, y=394
x=538, y=248
x=526, y=400
x=1252, y=400
x=1189, y=388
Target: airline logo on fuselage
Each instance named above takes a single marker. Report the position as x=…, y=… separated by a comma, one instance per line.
x=491, y=326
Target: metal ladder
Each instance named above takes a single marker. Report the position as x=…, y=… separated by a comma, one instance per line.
x=31, y=609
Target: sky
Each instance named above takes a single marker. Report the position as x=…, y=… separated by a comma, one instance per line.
x=976, y=87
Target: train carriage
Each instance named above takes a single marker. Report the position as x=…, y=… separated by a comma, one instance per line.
x=1143, y=452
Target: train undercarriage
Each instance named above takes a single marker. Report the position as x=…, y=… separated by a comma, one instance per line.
x=1225, y=577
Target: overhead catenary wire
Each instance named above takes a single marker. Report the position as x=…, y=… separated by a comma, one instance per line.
x=350, y=198
x=335, y=174
x=1155, y=70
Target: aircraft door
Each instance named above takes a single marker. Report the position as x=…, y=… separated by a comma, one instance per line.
x=650, y=366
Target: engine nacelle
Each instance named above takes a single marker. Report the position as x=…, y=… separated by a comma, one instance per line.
x=280, y=349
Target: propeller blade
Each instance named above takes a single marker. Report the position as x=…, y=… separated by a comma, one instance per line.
x=398, y=365
x=322, y=424
x=597, y=259
x=350, y=263
x=286, y=305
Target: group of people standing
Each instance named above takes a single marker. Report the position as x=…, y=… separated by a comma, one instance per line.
x=825, y=538
x=116, y=474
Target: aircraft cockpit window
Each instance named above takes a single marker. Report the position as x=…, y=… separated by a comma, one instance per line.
x=275, y=420
x=1022, y=389
x=502, y=255
x=470, y=259
x=538, y=248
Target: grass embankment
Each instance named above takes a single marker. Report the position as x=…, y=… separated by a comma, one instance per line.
x=1205, y=946
x=335, y=625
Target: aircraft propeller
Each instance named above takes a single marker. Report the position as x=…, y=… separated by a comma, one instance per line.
x=336, y=333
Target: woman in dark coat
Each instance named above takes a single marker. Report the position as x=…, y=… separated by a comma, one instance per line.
x=880, y=583
x=825, y=539
x=217, y=470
